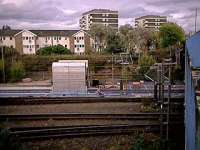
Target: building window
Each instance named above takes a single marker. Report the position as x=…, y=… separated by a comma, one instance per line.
x=83, y=45
x=4, y=38
x=48, y=38
x=54, y=38
x=59, y=38
x=10, y=38
x=26, y=38
x=37, y=46
x=74, y=38
x=75, y=46
x=32, y=38
x=65, y=45
x=11, y=46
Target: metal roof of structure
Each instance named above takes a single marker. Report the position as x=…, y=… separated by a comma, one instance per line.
x=100, y=11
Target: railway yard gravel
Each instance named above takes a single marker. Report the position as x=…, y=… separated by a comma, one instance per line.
x=115, y=142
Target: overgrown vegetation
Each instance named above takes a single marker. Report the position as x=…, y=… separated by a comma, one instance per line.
x=56, y=49
x=17, y=71
x=114, y=44
x=128, y=39
x=143, y=143
x=43, y=63
x=144, y=62
x=7, y=142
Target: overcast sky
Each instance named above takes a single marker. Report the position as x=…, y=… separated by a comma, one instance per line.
x=65, y=14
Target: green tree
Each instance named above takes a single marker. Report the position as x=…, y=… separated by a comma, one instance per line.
x=17, y=71
x=99, y=33
x=125, y=29
x=56, y=49
x=171, y=34
x=113, y=44
x=144, y=62
x=137, y=39
x=128, y=38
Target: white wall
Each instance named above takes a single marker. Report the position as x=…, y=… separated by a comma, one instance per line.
x=6, y=41
x=79, y=44
x=29, y=46
x=52, y=40
x=42, y=42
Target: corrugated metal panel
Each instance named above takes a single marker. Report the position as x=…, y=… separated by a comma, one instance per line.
x=69, y=78
x=75, y=61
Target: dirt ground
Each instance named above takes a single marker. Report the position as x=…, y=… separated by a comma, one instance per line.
x=30, y=84
x=114, y=108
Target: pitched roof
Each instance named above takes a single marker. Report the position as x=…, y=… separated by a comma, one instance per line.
x=151, y=16
x=100, y=11
x=40, y=32
x=54, y=32
x=8, y=32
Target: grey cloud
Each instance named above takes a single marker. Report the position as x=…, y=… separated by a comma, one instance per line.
x=49, y=14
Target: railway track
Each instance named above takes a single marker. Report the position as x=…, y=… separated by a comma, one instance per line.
x=76, y=116
x=43, y=133
x=4, y=101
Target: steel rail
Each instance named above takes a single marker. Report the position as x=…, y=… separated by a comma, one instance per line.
x=75, y=116
x=44, y=133
x=4, y=101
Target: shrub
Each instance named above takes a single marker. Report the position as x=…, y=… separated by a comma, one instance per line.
x=57, y=49
x=43, y=63
x=144, y=62
x=17, y=71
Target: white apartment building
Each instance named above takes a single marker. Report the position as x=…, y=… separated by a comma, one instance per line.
x=150, y=21
x=104, y=17
x=30, y=41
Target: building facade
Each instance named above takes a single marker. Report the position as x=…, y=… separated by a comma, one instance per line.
x=150, y=21
x=30, y=41
x=104, y=17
